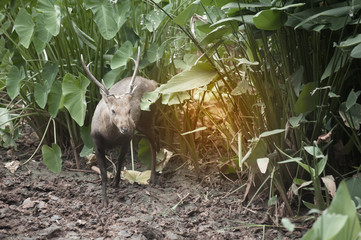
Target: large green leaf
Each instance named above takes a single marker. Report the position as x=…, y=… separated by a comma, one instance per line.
x=111, y=77
x=52, y=157
x=352, y=117
x=175, y=98
x=239, y=5
x=353, y=186
x=154, y=19
x=198, y=76
x=259, y=150
x=13, y=81
x=215, y=35
x=326, y=227
x=307, y=102
x=24, y=27
x=351, y=41
x=5, y=120
x=184, y=16
x=42, y=89
x=105, y=16
x=74, y=90
x=8, y=132
x=315, y=151
x=52, y=15
x=307, y=167
x=340, y=221
x=241, y=88
x=87, y=140
x=55, y=98
x=248, y=19
x=270, y=19
x=187, y=63
x=122, y=55
x=343, y=204
x=272, y=132
x=155, y=52
x=40, y=94
x=123, y=10
x=41, y=36
x=295, y=5
x=337, y=61
x=296, y=79
x=331, y=12
x=352, y=98
x=356, y=51
x=148, y=99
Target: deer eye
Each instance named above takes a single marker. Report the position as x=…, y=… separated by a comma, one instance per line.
x=113, y=111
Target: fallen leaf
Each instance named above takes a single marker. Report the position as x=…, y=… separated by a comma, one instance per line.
x=12, y=166
x=330, y=184
x=97, y=170
x=28, y=203
x=163, y=158
x=136, y=176
x=90, y=159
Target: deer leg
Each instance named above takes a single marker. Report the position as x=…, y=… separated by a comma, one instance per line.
x=123, y=151
x=153, y=172
x=100, y=155
x=146, y=126
x=150, y=134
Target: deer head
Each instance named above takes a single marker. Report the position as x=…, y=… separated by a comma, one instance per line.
x=122, y=109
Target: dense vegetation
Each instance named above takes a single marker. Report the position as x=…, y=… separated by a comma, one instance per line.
x=272, y=86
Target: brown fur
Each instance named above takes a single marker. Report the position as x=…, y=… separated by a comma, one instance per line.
x=115, y=119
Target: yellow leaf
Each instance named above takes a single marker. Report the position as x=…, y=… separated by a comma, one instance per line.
x=137, y=177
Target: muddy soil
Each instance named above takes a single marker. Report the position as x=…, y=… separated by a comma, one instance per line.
x=37, y=204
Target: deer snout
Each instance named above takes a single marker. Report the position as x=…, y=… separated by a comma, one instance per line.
x=124, y=130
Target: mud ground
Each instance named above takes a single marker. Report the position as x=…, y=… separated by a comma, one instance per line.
x=37, y=204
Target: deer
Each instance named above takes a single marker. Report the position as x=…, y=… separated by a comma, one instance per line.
x=115, y=119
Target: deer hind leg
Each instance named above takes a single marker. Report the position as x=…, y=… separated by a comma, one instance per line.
x=123, y=151
x=147, y=128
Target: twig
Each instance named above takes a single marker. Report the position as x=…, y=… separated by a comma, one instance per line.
x=97, y=170
x=80, y=170
x=40, y=143
x=98, y=216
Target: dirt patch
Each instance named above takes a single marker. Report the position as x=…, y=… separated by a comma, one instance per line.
x=36, y=204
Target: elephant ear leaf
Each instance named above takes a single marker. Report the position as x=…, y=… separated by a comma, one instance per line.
x=52, y=157
x=13, y=81
x=198, y=76
x=52, y=16
x=24, y=27
x=106, y=16
x=74, y=90
x=42, y=89
x=270, y=19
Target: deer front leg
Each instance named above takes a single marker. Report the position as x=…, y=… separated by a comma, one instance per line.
x=154, y=163
x=100, y=155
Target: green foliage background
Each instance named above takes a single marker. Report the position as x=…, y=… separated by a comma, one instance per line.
x=284, y=77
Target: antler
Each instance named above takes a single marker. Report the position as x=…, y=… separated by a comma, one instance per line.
x=131, y=85
x=91, y=76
